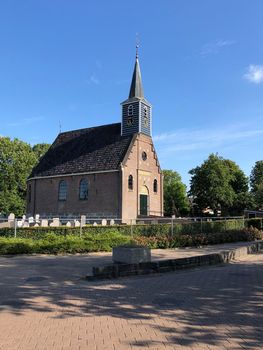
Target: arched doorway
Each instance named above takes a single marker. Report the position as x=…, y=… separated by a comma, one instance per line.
x=144, y=200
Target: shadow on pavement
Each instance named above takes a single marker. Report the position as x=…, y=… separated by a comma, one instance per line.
x=206, y=306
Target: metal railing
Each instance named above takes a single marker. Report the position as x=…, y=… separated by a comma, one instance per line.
x=177, y=225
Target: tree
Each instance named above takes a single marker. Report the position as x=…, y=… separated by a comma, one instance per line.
x=219, y=184
x=242, y=199
x=175, y=196
x=17, y=159
x=258, y=195
x=256, y=183
x=40, y=149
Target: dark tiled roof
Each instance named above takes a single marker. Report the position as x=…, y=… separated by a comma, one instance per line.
x=93, y=149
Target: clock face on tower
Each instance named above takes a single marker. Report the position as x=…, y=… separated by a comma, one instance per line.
x=130, y=121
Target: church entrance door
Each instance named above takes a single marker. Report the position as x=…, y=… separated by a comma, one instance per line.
x=143, y=204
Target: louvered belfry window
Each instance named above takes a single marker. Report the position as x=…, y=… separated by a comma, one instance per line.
x=130, y=111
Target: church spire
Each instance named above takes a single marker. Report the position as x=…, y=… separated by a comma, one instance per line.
x=136, y=111
x=136, y=89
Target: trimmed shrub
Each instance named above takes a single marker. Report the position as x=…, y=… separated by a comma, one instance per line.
x=255, y=222
x=53, y=244
x=195, y=240
x=16, y=246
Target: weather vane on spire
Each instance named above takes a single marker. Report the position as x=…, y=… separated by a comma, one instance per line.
x=137, y=45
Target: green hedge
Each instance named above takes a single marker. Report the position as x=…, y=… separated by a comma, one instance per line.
x=201, y=239
x=55, y=244
x=41, y=232
x=196, y=227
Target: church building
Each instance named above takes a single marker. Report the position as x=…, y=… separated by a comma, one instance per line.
x=107, y=171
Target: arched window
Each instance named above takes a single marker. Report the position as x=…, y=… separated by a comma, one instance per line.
x=62, y=191
x=130, y=182
x=130, y=111
x=83, y=189
x=155, y=186
x=29, y=194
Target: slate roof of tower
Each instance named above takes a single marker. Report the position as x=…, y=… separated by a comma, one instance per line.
x=85, y=150
x=136, y=89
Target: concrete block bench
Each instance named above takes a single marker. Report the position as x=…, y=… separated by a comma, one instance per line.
x=131, y=254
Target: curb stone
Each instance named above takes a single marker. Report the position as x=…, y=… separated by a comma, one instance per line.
x=124, y=270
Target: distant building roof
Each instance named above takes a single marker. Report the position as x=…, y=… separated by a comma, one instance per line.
x=84, y=150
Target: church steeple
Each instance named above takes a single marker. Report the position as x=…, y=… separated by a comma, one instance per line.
x=136, y=111
x=136, y=89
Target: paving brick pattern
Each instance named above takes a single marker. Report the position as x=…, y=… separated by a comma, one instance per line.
x=45, y=305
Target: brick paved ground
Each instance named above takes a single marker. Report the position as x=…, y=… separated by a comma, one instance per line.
x=44, y=305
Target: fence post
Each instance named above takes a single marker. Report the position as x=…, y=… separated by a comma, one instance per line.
x=225, y=224
x=131, y=229
x=172, y=228
x=15, y=227
x=80, y=228
x=201, y=225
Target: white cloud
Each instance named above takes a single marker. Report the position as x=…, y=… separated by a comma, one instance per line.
x=214, y=47
x=205, y=139
x=98, y=64
x=26, y=121
x=94, y=79
x=254, y=74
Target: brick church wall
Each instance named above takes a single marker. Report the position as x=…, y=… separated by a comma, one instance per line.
x=103, y=196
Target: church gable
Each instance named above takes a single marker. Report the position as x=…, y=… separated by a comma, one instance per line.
x=142, y=184
x=141, y=154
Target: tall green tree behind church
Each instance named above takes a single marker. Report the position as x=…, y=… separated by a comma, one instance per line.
x=256, y=183
x=17, y=159
x=220, y=184
x=175, y=196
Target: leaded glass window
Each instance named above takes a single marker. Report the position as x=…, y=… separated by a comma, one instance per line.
x=130, y=182
x=62, y=191
x=83, y=189
x=155, y=186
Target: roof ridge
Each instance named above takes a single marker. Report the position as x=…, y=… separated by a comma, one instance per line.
x=92, y=127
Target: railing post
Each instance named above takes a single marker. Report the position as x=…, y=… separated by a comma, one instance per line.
x=131, y=229
x=201, y=225
x=15, y=227
x=172, y=227
x=80, y=228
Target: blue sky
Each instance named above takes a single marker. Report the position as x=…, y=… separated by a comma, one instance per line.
x=70, y=62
